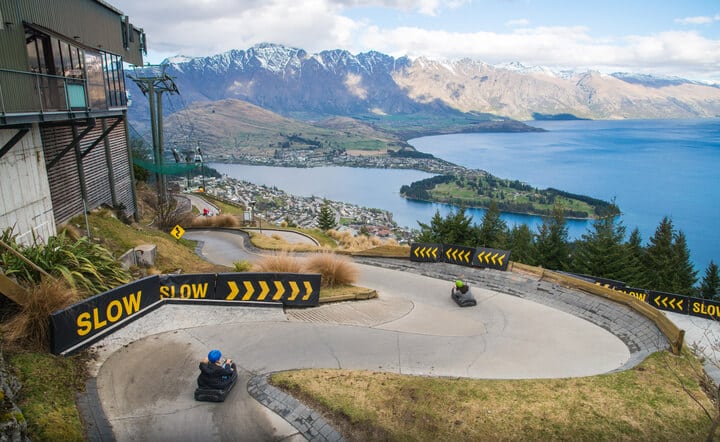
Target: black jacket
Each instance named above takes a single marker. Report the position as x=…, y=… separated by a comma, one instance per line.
x=215, y=376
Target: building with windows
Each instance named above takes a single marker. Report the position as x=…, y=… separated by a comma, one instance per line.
x=63, y=112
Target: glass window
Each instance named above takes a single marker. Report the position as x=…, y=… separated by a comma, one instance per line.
x=32, y=51
x=95, y=80
x=57, y=56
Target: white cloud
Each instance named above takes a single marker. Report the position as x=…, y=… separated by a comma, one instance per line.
x=208, y=27
x=698, y=20
x=518, y=22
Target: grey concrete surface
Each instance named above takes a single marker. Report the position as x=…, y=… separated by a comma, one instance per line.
x=521, y=328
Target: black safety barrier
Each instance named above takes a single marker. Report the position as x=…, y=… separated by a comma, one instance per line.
x=492, y=258
x=461, y=255
x=671, y=302
x=668, y=301
x=85, y=322
x=286, y=288
x=89, y=320
x=199, y=286
x=704, y=308
x=426, y=252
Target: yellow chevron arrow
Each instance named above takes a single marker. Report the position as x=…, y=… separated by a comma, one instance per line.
x=447, y=253
x=467, y=256
x=480, y=257
x=500, y=260
x=680, y=303
x=422, y=252
x=264, y=292
x=233, y=290
x=454, y=254
x=295, y=290
x=664, y=301
x=434, y=252
x=487, y=257
x=493, y=258
x=249, y=290
x=280, y=290
x=416, y=251
x=656, y=301
x=308, y=290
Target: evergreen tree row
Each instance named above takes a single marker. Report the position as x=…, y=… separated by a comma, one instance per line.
x=663, y=264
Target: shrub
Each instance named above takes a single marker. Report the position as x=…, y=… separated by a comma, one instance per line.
x=242, y=266
x=279, y=262
x=335, y=270
x=84, y=265
x=224, y=220
x=31, y=326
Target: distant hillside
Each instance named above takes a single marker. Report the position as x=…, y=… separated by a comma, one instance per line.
x=297, y=84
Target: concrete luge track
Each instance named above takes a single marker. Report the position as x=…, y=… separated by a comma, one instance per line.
x=146, y=386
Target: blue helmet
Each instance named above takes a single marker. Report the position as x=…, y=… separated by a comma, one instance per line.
x=214, y=355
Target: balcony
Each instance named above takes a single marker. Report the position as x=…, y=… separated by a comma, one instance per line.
x=27, y=97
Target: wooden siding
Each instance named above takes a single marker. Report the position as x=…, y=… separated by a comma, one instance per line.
x=64, y=176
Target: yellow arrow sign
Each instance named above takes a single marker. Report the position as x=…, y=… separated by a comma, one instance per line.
x=434, y=252
x=280, y=290
x=500, y=260
x=308, y=290
x=264, y=290
x=295, y=290
x=680, y=303
x=467, y=256
x=416, y=252
x=493, y=258
x=447, y=253
x=249, y=290
x=233, y=290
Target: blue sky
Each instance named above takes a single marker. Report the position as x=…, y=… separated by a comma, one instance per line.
x=680, y=38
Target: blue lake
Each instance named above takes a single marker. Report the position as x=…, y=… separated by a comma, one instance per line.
x=652, y=168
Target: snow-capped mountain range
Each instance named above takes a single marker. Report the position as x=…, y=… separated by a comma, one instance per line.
x=291, y=81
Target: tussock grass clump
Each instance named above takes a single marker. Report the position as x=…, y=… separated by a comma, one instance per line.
x=350, y=243
x=335, y=270
x=279, y=262
x=30, y=328
x=224, y=220
x=242, y=266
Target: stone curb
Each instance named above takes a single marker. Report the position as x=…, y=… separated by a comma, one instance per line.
x=308, y=422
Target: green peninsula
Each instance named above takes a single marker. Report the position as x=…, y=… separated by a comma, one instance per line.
x=479, y=189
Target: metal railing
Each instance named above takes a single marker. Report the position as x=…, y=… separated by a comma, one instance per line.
x=32, y=93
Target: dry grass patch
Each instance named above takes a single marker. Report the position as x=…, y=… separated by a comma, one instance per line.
x=224, y=220
x=386, y=251
x=648, y=403
x=276, y=242
x=347, y=242
x=278, y=262
x=30, y=327
x=335, y=270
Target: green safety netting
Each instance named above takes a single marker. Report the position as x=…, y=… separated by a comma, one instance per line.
x=166, y=168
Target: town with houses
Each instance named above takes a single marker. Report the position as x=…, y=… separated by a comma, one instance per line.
x=277, y=207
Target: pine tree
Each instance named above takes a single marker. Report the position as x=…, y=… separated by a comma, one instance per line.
x=659, y=257
x=710, y=285
x=552, y=249
x=493, y=230
x=326, y=219
x=520, y=243
x=600, y=252
x=455, y=228
x=685, y=275
x=635, y=272
x=431, y=233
